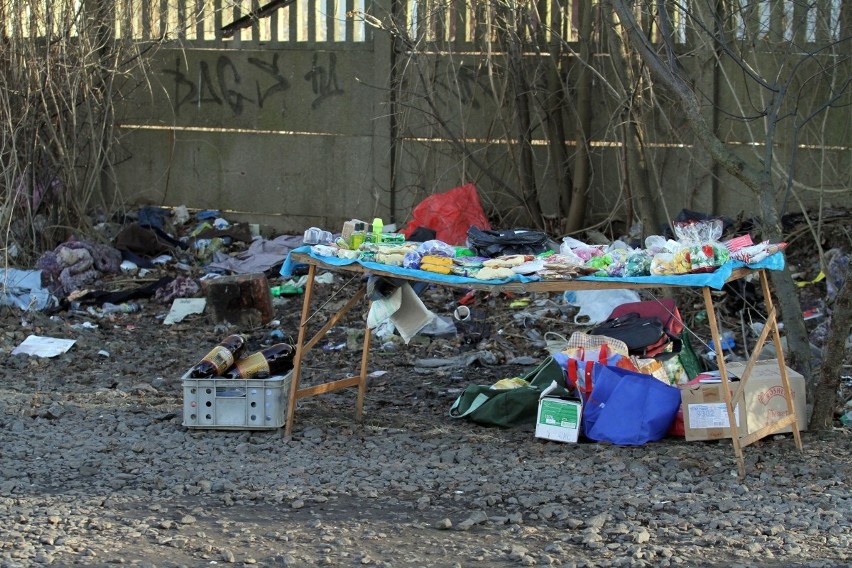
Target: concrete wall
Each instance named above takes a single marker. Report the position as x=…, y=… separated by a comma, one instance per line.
x=298, y=133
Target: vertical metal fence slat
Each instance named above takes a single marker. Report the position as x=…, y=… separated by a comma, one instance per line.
x=331, y=21
x=458, y=25
x=293, y=23
x=198, y=15
x=311, y=20
x=349, y=35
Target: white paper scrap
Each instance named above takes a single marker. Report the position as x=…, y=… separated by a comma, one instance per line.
x=183, y=307
x=43, y=346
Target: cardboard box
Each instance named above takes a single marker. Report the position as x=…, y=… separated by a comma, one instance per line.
x=762, y=402
x=558, y=418
x=705, y=416
x=764, y=395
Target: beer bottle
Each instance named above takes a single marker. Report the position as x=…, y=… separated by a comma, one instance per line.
x=220, y=357
x=274, y=360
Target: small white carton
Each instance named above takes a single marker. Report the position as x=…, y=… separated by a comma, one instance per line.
x=558, y=417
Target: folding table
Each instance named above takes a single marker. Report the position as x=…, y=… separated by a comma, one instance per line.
x=706, y=282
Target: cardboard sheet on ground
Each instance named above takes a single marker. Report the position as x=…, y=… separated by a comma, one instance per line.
x=404, y=309
x=714, y=279
x=41, y=346
x=183, y=307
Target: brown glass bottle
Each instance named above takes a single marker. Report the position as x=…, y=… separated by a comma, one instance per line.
x=220, y=357
x=274, y=360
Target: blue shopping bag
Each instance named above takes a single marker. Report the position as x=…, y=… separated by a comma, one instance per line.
x=628, y=408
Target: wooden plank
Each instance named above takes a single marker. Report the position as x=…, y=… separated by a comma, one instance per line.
x=789, y=420
x=328, y=387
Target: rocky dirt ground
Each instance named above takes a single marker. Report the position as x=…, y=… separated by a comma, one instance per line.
x=97, y=469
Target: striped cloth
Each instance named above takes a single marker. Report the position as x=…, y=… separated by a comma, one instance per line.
x=737, y=243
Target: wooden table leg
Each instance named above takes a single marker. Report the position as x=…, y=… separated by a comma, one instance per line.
x=300, y=349
x=362, y=383
x=723, y=373
x=782, y=366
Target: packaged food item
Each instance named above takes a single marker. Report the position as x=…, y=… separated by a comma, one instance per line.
x=436, y=260
x=389, y=259
x=638, y=263
x=412, y=259
x=701, y=241
x=438, y=248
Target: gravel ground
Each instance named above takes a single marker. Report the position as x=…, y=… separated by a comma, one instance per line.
x=97, y=468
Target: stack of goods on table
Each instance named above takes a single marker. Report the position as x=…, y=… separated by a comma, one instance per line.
x=498, y=255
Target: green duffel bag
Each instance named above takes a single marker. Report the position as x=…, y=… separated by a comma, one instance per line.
x=507, y=407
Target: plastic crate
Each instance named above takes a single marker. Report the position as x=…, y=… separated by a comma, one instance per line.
x=229, y=404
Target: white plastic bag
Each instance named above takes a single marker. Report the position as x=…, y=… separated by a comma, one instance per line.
x=596, y=305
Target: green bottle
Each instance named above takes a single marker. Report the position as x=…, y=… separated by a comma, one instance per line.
x=357, y=237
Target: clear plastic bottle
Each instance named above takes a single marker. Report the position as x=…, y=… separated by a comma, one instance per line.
x=727, y=338
x=126, y=308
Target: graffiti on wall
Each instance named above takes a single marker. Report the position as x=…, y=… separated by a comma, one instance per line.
x=323, y=80
x=258, y=82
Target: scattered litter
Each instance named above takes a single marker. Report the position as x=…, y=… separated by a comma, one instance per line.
x=23, y=289
x=41, y=346
x=819, y=278
x=324, y=278
x=285, y=290
x=125, y=308
x=129, y=268
x=465, y=360
x=162, y=259
x=85, y=325
x=182, y=307
x=103, y=353
x=375, y=374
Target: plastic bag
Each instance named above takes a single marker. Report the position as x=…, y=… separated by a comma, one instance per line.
x=596, y=305
x=701, y=246
x=628, y=408
x=436, y=248
x=572, y=247
x=638, y=263
x=449, y=214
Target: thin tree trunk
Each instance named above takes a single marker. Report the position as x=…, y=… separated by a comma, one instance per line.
x=641, y=200
x=582, y=167
x=759, y=181
x=523, y=126
x=833, y=359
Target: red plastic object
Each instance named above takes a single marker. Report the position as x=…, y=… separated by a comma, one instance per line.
x=468, y=299
x=450, y=215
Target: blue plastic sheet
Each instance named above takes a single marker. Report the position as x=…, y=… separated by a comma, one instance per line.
x=714, y=279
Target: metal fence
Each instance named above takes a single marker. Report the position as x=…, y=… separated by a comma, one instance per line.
x=274, y=22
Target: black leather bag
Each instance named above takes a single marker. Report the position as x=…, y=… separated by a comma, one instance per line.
x=493, y=243
x=644, y=336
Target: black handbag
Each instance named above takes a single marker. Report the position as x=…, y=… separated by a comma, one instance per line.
x=493, y=243
x=644, y=336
